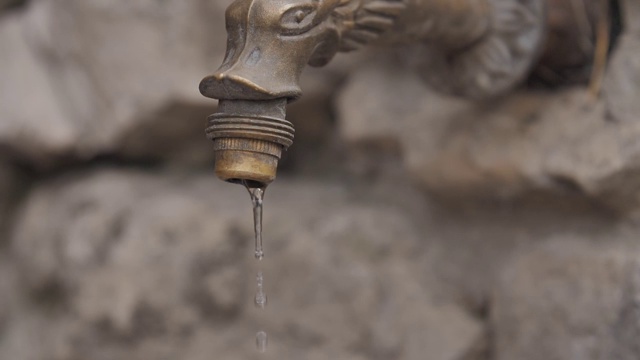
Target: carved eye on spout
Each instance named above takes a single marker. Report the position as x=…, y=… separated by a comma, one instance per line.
x=298, y=20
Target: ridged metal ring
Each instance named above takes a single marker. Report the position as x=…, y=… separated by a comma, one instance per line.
x=265, y=128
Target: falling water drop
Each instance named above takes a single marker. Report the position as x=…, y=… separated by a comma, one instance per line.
x=261, y=297
x=261, y=341
x=257, y=195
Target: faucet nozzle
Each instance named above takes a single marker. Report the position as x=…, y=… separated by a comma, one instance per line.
x=249, y=137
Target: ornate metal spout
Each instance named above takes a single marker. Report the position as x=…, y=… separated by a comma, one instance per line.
x=475, y=48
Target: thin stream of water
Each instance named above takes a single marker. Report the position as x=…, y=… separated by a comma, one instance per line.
x=257, y=196
x=260, y=300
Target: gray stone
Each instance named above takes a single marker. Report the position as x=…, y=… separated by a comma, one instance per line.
x=83, y=78
x=7, y=289
x=4, y=4
x=527, y=142
x=622, y=81
x=32, y=121
x=125, y=246
x=569, y=300
x=141, y=266
x=120, y=72
x=630, y=14
x=11, y=188
x=52, y=336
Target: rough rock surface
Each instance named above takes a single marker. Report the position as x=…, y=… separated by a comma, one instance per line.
x=5, y=4
x=7, y=289
x=119, y=69
x=631, y=12
x=557, y=143
x=622, y=83
x=569, y=300
x=23, y=77
x=160, y=266
x=10, y=191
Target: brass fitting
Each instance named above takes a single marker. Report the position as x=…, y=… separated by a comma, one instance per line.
x=248, y=138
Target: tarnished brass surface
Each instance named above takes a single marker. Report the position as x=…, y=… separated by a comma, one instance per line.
x=249, y=137
x=246, y=159
x=474, y=48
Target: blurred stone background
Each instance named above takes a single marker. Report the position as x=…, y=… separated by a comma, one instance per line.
x=403, y=224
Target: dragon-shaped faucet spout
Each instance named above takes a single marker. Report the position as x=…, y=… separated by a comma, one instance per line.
x=476, y=48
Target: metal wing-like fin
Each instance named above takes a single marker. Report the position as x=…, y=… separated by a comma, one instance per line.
x=367, y=21
x=386, y=8
x=379, y=23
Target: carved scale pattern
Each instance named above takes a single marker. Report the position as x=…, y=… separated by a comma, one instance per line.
x=489, y=68
x=497, y=62
x=362, y=22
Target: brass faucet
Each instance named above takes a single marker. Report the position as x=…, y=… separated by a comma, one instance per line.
x=474, y=48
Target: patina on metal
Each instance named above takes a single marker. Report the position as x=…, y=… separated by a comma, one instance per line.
x=473, y=48
x=249, y=137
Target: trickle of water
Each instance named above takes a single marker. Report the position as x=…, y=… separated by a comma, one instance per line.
x=261, y=341
x=261, y=297
x=257, y=196
x=260, y=300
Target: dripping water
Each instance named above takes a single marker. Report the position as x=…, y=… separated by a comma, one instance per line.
x=257, y=196
x=260, y=300
x=261, y=341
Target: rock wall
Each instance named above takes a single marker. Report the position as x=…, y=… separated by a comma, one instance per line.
x=403, y=225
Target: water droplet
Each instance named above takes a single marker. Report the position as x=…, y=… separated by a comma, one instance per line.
x=257, y=197
x=260, y=299
x=261, y=341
